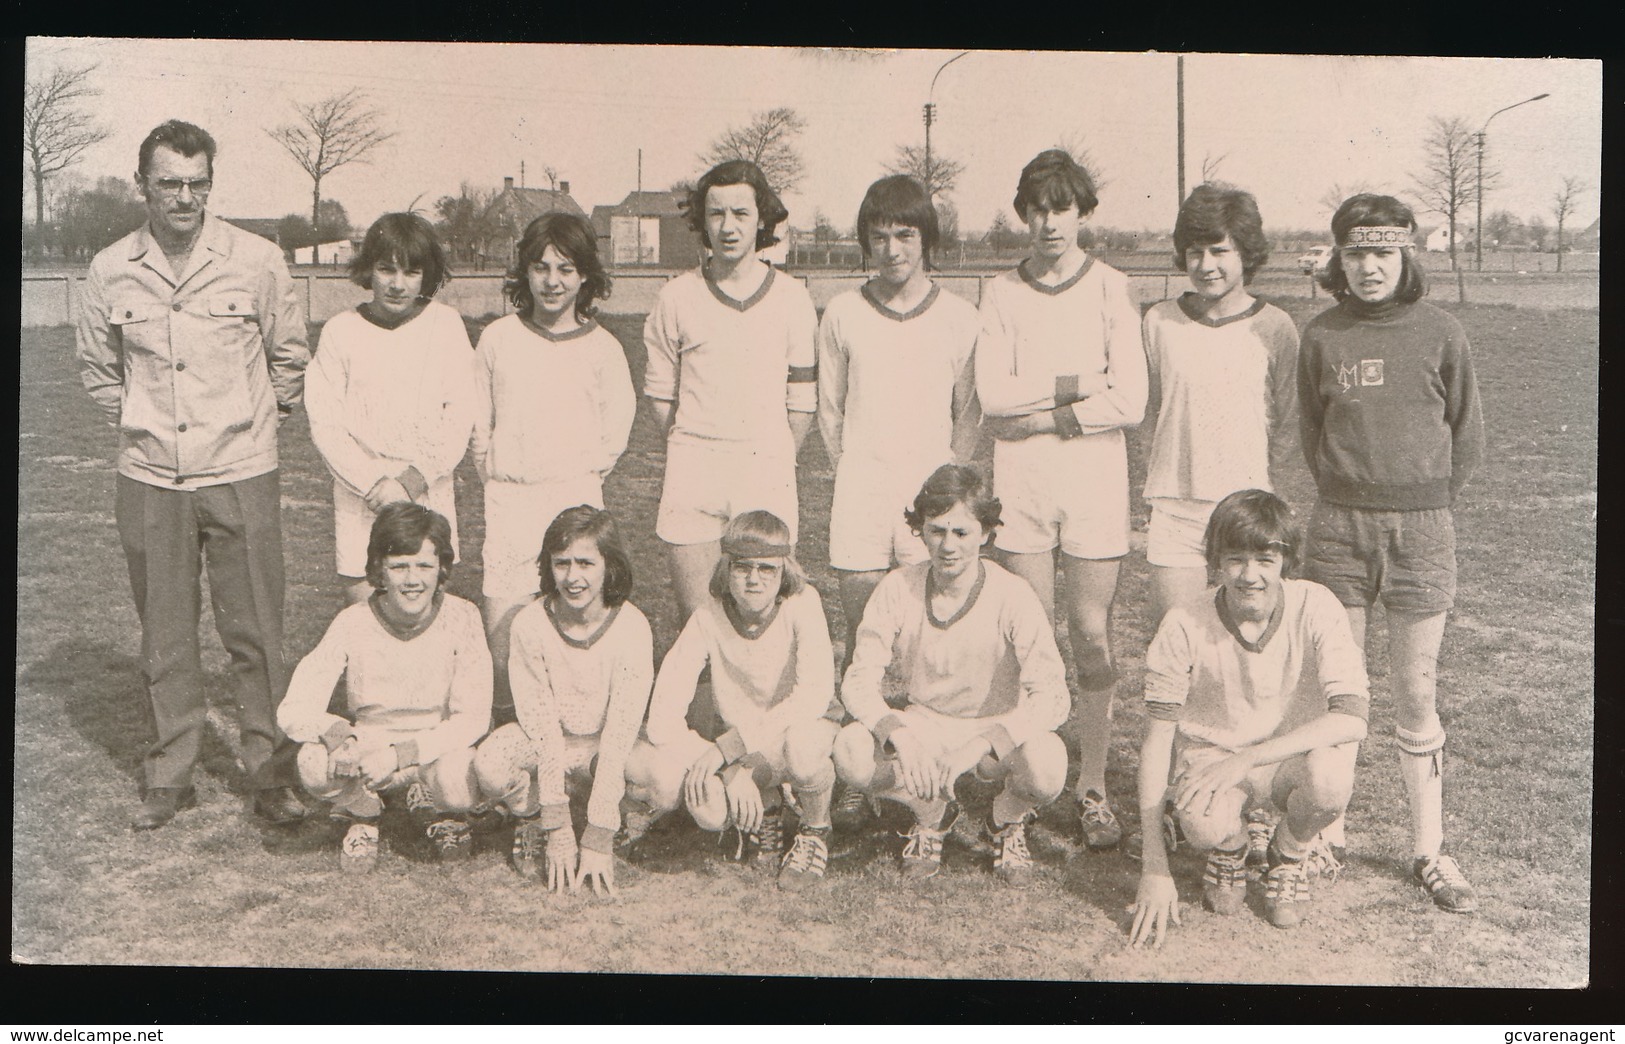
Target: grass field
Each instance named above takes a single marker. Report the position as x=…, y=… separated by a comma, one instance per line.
x=217, y=888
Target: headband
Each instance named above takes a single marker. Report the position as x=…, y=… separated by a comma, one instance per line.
x=1378, y=235
x=754, y=547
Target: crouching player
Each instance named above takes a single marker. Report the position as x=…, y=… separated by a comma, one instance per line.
x=581, y=662
x=763, y=634
x=984, y=681
x=1254, y=692
x=417, y=689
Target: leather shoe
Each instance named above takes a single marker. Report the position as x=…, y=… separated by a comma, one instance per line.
x=279, y=806
x=160, y=804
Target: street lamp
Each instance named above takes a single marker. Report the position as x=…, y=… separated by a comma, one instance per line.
x=1478, y=247
x=930, y=117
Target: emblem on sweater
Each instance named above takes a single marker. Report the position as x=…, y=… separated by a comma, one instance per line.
x=1346, y=375
x=1370, y=372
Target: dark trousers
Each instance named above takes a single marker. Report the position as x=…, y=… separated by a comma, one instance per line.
x=168, y=536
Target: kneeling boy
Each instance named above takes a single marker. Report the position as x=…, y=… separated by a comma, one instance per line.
x=417, y=686
x=1263, y=689
x=982, y=675
x=763, y=634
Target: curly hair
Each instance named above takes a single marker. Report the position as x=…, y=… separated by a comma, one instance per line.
x=573, y=237
x=770, y=209
x=949, y=485
x=1214, y=210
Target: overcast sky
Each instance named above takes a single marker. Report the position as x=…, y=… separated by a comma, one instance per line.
x=1287, y=127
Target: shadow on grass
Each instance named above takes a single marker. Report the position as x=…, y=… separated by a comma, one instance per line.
x=105, y=700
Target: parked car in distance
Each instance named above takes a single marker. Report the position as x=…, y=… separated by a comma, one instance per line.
x=1315, y=259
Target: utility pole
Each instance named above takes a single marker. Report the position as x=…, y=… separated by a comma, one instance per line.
x=1478, y=246
x=521, y=173
x=1180, y=75
x=638, y=217
x=930, y=118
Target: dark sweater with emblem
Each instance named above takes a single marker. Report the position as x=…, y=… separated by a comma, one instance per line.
x=1389, y=407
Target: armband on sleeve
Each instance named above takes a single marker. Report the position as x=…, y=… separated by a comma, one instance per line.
x=1066, y=422
x=1359, y=706
x=336, y=735
x=761, y=773
x=1163, y=711
x=413, y=482
x=732, y=745
x=884, y=728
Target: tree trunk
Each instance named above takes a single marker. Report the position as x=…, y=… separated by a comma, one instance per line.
x=1452, y=241
x=315, y=219
x=1560, y=244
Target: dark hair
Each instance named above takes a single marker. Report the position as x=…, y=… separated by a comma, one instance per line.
x=768, y=528
x=769, y=208
x=572, y=236
x=1214, y=210
x=1370, y=209
x=400, y=529
x=597, y=525
x=185, y=138
x=949, y=485
x=407, y=240
x=1055, y=181
x=1253, y=520
x=898, y=200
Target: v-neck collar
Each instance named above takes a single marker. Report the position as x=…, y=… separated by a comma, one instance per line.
x=750, y=635
x=569, y=335
x=1223, y=606
x=1187, y=304
x=970, y=599
x=375, y=603
x=734, y=303
x=1059, y=288
x=890, y=312
x=366, y=310
x=588, y=642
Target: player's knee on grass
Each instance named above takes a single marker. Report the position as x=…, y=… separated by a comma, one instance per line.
x=855, y=756
x=1038, y=769
x=451, y=781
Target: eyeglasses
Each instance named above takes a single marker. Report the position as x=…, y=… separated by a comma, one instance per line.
x=172, y=186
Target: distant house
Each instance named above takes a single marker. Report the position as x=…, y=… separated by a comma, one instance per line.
x=515, y=208
x=1589, y=241
x=1438, y=240
x=646, y=228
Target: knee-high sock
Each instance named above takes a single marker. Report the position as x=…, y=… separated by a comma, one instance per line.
x=1421, y=762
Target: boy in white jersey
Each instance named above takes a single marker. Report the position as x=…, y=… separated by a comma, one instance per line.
x=1060, y=373
x=417, y=694
x=985, y=685
x=896, y=390
x=1254, y=692
x=762, y=633
x=1224, y=398
x=581, y=663
x=731, y=376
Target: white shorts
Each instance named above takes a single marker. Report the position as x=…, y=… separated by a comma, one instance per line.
x=1067, y=492
x=706, y=487
x=866, y=525
x=352, y=524
x=1176, y=536
x=943, y=733
x=517, y=515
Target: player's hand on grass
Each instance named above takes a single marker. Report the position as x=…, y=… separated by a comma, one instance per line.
x=597, y=869
x=744, y=802
x=699, y=776
x=376, y=766
x=917, y=767
x=559, y=866
x=1156, y=910
x=385, y=491
x=1197, y=792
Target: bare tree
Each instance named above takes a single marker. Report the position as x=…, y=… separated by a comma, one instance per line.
x=1211, y=165
x=552, y=176
x=939, y=178
x=55, y=130
x=1339, y=192
x=1538, y=233
x=1563, y=207
x=339, y=129
x=1446, y=183
x=767, y=141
